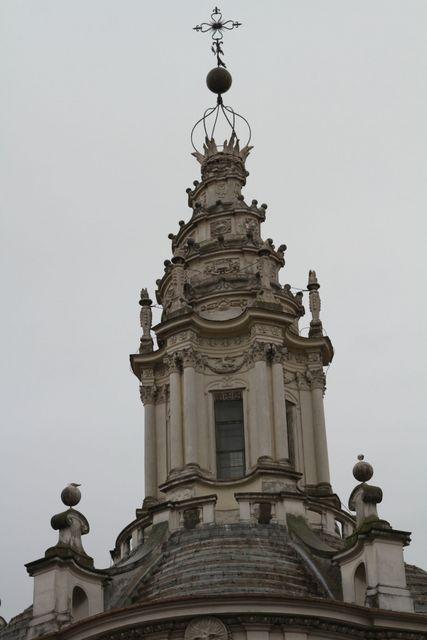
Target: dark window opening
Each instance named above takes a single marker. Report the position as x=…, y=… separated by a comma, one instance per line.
x=229, y=435
x=80, y=604
x=290, y=421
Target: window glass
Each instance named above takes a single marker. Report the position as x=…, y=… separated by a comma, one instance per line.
x=229, y=432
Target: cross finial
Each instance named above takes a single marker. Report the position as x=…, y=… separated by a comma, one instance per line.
x=217, y=26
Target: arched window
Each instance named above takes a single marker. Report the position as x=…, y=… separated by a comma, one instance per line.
x=360, y=584
x=80, y=604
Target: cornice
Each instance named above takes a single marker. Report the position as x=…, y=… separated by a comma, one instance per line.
x=231, y=327
x=331, y=618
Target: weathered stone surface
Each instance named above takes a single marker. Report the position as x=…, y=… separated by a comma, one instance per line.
x=238, y=558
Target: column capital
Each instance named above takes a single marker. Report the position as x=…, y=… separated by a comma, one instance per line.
x=192, y=358
x=148, y=393
x=173, y=362
x=317, y=379
x=258, y=351
x=276, y=353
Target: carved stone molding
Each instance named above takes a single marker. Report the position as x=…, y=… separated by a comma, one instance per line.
x=266, y=330
x=162, y=394
x=275, y=354
x=147, y=373
x=208, y=628
x=317, y=379
x=148, y=393
x=302, y=383
x=192, y=358
x=306, y=624
x=182, y=337
x=222, y=267
x=289, y=376
x=173, y=362
x=224, y=304
x=220, y=227
x=297, y=356
x=258, y=351
x=222, y=342
x=227, y=364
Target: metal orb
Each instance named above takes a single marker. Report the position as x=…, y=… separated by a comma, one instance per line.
x=362, y=471
x=71, y=495
x=219, y=80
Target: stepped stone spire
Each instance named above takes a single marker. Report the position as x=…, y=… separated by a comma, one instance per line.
x=229, y=342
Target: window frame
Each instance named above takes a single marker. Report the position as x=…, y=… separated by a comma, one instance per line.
x=229, y=395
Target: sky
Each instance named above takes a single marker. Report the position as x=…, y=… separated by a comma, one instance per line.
x=97, y=102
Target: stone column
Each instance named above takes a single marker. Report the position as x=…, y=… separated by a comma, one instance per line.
x=319, y=427
x=262, y=402
x=175, y=423
x=148, y=397
x=190, y=407
x=281, y=444
x=307, y=428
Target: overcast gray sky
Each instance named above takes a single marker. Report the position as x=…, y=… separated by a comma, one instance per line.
x=97, y=101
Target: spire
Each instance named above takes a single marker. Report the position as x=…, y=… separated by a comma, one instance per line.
x=219, y=118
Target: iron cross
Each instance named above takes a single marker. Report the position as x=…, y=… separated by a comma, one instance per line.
x=217, y=26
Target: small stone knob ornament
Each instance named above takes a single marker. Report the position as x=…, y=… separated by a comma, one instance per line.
x=362, y=470
x=71, y=495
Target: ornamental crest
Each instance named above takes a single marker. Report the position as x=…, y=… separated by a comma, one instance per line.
x=206, y=629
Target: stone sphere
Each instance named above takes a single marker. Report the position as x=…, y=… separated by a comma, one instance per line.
x=219, y=80
x=362, y=471
x=71, y=495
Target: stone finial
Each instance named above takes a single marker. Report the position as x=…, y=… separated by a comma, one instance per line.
x=316, y=329
x=146, y=319
x=71, y=495
x=71, y=525
x=365, y=497
x=362, y=470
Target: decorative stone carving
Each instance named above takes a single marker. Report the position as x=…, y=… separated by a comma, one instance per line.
x=302, y=383
x=173, y=362
x=275, y=354
x=317, y=379
x=266, y=330
x=227, y=364
x=222, y=342
x=145, y=319
x=147, y=373
x=148, y=394
x=289, y=376
x=223, y=304
x=162, y=393
x=313, y=286
x=182, y=337
x=258, y=351
x=184, y=494
x=222, y=267
x=220, y=189
x=192, y=358
x=230, y=148
x=220, y=227
x=208, y=628
x=145, y=313
x=251, y=227
x=314, y=302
